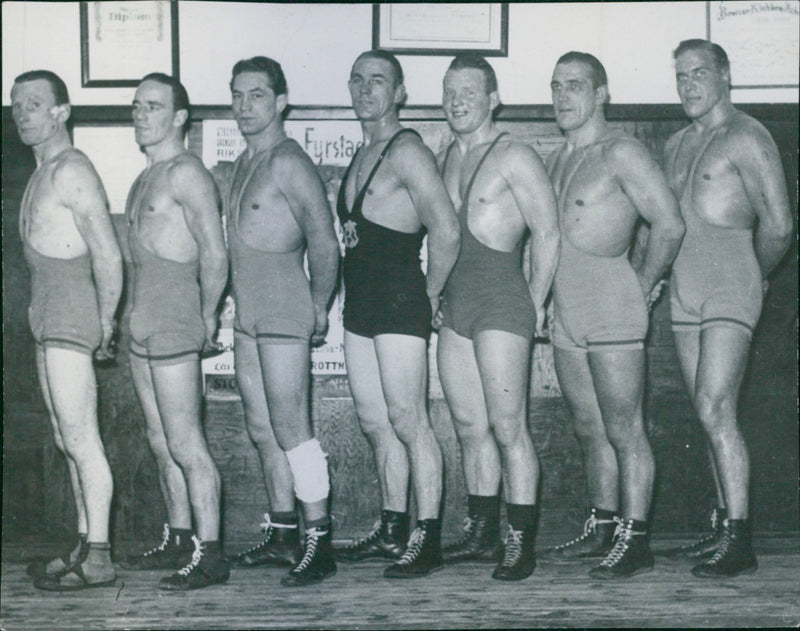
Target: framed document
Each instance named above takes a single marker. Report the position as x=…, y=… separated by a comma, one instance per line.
x=761, y=39
x=123, y=41
x=441, y=29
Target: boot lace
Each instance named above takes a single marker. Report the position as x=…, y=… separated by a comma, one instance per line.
x=706, y=539
x=197, y=555
x=373, y=535
x=722, y=550
x=266, y=527
x=513, y=547
x=312, y=542
x=622, y=538
x=414, y=547
x=163, y=545
x=468, y=526
x=589, y=527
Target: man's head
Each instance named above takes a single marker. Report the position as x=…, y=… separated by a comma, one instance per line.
x=259, y=94
x=376, y=84
x=579, y=89
x=160, y=109
x=39, y=105
x=469, y=92
x=702, y=74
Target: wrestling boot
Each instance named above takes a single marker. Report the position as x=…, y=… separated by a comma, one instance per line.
x=281, y=546
x=92, y=568
x=708, y=544
x=480, y=542
x=387, y=540
x=595, y=542
x=734, y=555
x=519, y=556
x=317, y=562
x=423, y=553
x=174, y=551
x=630, y=555
x=207, y=567
x=50, y=567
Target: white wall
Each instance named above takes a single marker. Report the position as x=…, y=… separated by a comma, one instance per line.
x=317, y=43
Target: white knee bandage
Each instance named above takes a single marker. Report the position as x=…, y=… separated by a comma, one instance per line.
x=310, y=470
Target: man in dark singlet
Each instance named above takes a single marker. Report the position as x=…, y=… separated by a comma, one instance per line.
x=277, y=213
x=490, y=315
x=606, y=182
x=179, y=273
x=726, y=171
x=76, y=281
x=389, y=196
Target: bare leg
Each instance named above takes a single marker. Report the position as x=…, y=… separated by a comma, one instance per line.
x=390, y=454
x=461, y=382
x=600, y=461
x=179, y=396
x=274, y=466
x=619, y=383
x=402, y=361
x=170, y=476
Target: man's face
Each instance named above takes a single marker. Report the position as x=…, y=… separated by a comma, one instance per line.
x=154, y=115
x=700, y=84
x=254, y=104
x=465, y=99
x=574, y=99
x=372, y=89
x=34, y=110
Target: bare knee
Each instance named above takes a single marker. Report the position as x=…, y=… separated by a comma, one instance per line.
x=509, y=431
x=406, y=421
x=716, y=411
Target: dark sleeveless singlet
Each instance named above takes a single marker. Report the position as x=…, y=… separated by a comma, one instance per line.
x=166, y=320
x=271, y=290
x=716, y=279
x=383, y=279
x=486, y=289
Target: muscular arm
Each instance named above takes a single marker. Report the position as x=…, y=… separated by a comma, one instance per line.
x=194, y=189
x=81, y=190
x=300, y=183
x=526, y=176
x=645, y=185
x=416, y=167
x=756, y=157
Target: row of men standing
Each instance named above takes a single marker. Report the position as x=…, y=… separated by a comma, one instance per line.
x=722, y=186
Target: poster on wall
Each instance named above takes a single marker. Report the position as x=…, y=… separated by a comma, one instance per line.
x=329, y=144
x=762, y=40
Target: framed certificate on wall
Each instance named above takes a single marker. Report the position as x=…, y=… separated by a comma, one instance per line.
x=123, y=41
x=441, y=29
x=761, y=39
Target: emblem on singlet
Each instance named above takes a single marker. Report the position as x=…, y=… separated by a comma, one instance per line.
x=350, y=234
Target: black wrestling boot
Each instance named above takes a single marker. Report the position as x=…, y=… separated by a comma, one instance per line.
x=50, y=567
x=595, y=542
x=423, y=554
x=734, y=555
x=207, y=567
x=387, y=540
x=630, y=555
x=708, y=544
x=317, y=562
x=281, y=546
x=174, y=551
x=481, y=542
x=519, y=556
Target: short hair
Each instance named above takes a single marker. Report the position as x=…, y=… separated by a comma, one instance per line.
x=180, y=98
x=473, y=60
x=270, y=67
x=716, y=51
x=599, y=76
x=384, y=55
x=57, y=84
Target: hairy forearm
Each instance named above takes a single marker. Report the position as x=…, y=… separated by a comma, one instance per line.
x=662, y=248
x=442, y=255
x=769, y=249
x=213, y=278
x=107, y=272
x=544, y=259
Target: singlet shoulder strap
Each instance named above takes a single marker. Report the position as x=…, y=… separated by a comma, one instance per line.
x=384, y=153
x=480, y=164
x=447, y=156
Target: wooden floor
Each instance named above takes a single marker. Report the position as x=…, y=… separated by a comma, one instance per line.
x=462, y=596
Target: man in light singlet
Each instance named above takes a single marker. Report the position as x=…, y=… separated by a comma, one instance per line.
x=490, y=315
x=606, y=182
x=726, y=171
x=76, y=281
x=277, y=213
x=179, y=273
x=390, y=195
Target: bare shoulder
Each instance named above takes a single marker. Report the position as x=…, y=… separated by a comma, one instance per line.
x=409, y=147
x=73, y=167
x=187, y=170
x=289, y=159
x=517, y=152
x=744, y=133
x=623, y=151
